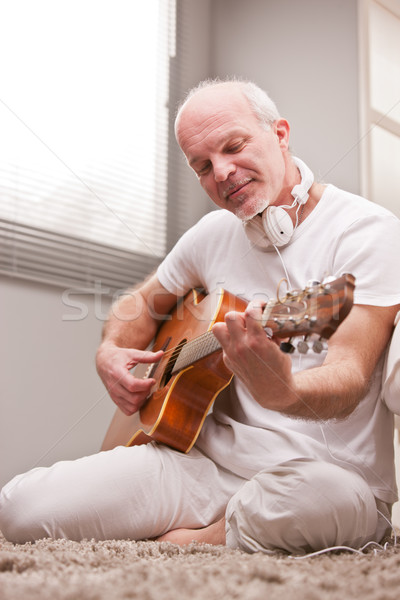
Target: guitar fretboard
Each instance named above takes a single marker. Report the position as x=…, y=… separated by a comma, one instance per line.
x=197, y=348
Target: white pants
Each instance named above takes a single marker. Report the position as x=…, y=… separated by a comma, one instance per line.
x=144, y=491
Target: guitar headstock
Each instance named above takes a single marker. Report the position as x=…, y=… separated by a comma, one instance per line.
x=317, y=309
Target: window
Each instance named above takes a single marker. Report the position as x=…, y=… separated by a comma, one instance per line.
x=84, y=130
x=381, y=35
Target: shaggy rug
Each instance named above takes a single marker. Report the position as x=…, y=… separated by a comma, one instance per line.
x=88, y=570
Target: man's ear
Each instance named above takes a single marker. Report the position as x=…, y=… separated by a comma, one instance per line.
x=282, y=129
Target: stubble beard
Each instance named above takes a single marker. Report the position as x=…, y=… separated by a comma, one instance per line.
x=249, y=209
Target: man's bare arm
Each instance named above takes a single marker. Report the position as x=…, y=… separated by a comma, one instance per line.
x=331, y=390
x=132, y=324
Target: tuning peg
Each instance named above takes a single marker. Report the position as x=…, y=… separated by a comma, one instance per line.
x=302, y=347
x=278, y=322
x=318, y=346
x=287, y=347
x=326, y=284
x=312, y=283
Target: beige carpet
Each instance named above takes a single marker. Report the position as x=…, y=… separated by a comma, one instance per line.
x=61, y=569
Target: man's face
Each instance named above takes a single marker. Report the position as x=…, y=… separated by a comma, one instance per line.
x=239, y=164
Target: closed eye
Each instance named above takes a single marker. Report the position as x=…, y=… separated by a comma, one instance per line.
x=203, y=169
x=235, y=148
x=232, y=148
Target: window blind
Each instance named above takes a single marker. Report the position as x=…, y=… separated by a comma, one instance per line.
x=84, y=144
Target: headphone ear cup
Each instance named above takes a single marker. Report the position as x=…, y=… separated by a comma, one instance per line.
x=277, y=225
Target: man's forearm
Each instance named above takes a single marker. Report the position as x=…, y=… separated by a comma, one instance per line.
x=334, y=389
x=325, y=392
x=331, y=390
x=129, y=324
x=135, y=317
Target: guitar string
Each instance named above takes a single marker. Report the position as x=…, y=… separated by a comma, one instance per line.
x=297, y=296
x=294, y=296
x=191, y=344
x=189, y=348
x=194, y=344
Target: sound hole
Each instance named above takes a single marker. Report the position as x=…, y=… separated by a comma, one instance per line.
x=171, y=362
x=151, y=371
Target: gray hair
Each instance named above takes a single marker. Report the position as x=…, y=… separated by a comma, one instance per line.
x=260, y=103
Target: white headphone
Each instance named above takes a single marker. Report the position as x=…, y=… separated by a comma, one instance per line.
x=274, y=227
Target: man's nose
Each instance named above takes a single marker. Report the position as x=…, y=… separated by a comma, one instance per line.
x=223, y=167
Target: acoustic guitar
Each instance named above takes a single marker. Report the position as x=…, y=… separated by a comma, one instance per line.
x=192, y=373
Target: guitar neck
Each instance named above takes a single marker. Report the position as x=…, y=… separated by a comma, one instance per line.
x=198, y=348
x=318, y=309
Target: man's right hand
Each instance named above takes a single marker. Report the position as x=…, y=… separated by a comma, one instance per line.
x=113, y=366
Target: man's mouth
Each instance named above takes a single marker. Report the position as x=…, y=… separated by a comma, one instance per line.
x=235, y=188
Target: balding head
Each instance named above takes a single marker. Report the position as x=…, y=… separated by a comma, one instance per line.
x=260, y=103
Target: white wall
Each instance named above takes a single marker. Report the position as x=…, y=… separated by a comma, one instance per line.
x=53, y=405
x=305, y=55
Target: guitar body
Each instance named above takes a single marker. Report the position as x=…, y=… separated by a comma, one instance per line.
x=179, y=403
x=192, y=373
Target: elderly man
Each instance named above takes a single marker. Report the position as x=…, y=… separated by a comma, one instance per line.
x=296, y=454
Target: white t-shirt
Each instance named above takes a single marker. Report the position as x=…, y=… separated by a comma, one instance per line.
x=343, y=234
